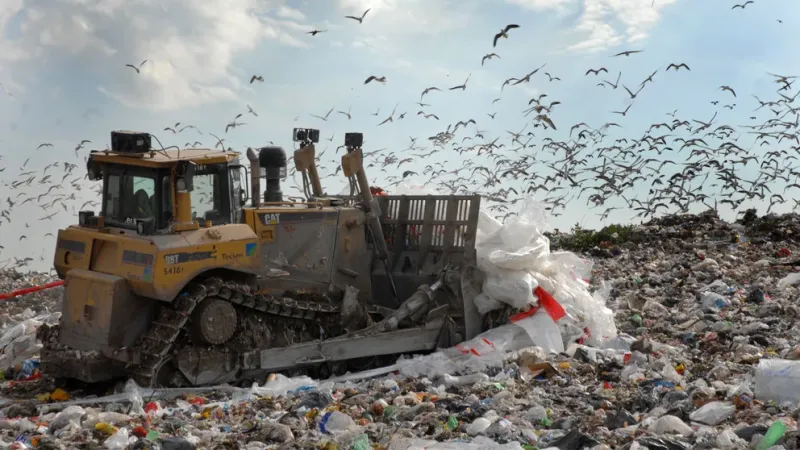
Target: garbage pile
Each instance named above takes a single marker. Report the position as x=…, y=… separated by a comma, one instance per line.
x=702, y=353
x=40, y=302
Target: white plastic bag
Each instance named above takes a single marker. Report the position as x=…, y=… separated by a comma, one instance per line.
x=484, y=303
x=513, y=287
x=520, y=259
x=789, y=280
x=778, y=380
x=118, y=441
x=669, y=425
x=543, y=331
x=728, y=440
x=713, y=413
x=487, y=226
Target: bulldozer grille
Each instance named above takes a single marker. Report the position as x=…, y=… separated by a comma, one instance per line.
x=445, y=224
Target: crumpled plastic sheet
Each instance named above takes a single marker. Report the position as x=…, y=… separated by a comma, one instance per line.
x=778, y=380
x=516, y=258
x=18, y=340
x=489, y=348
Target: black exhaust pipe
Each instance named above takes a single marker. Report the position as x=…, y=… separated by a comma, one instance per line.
x=273, y=160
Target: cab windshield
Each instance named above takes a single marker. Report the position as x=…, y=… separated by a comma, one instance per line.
x=207, y=195
x=131, y=194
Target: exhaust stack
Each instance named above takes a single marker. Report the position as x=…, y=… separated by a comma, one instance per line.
x=273, y=160
x=255, y=178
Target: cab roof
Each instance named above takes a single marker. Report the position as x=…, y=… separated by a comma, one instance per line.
x=165, y=158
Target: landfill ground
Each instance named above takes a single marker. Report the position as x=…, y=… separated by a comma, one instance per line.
x=706, y=312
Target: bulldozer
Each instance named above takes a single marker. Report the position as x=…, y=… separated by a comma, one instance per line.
x=190, y=275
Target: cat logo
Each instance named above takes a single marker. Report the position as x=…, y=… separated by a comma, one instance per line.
x=270, y=218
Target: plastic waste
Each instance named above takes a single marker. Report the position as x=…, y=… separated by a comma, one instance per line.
x=361, y=442
x=789, y=280
x=774, y=434
x=335, y=421
x=119, y=441
x=668, y=424
x=513, y=287
x=727, y=439
x=778, y=380
x=713, y=413
x=478, y=426
x=516, y=258
x=713, y=300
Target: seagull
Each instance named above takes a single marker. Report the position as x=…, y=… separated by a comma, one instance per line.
x=504, y=33
x=373, y=77
x=315, y=32
x=359, y=19
x=628, y=52
x=729, y=89
x=136, y=68
x=678, y=66
x=489, y=56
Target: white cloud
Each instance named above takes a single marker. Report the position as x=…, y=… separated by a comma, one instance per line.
x=8, y=10
x=540, y=4
x=189, y=45
x=429, y=17
x=290, y=13
x=607, y=23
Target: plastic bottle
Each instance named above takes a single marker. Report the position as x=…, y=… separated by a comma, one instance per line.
x=774, y=433
x=335, y=421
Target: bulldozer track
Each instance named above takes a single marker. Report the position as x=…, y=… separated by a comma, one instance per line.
x=157, y=342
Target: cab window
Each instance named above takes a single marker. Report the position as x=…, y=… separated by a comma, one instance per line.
x=166, y=200
x=206, y=197
x=129, y=197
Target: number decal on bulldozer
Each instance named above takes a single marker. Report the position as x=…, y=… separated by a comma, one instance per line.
x=173, y=270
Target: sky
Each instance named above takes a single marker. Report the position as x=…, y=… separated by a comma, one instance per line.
x=64, y=79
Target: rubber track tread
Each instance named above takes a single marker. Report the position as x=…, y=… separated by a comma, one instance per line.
x=155, y=345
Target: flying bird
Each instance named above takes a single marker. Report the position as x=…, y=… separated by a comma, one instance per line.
x=359, y=19
x=256, y=78
x=503, y=33
x=346, y=113
x=677, y=66
x=742, y=5
x=596, y=71
x=628, y=52
x=489, y=56
x=432, y=88
x=552, y=77
x=46, y=144
x=325, y=117
x=373, y=77
x=729, y=89
x=463, y=87
x=315, y=32
x=136, y=68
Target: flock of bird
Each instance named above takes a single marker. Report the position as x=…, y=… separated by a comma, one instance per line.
x=678, y=164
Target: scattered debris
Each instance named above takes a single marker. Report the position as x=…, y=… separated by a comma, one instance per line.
x=707, y=356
